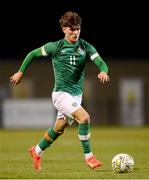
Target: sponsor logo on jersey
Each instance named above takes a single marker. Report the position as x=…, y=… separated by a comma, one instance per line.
x=63, y=51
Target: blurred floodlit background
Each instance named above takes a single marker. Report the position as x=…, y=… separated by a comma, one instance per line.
x=123, y=101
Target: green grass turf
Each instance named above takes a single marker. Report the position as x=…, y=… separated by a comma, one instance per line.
x=64, y=159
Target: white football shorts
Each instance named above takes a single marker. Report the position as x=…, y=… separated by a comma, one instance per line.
x=66, y=104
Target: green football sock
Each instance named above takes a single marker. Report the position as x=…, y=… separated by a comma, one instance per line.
x=84, y=136
x=44, y=143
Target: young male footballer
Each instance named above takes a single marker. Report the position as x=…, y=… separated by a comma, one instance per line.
x=69, y=56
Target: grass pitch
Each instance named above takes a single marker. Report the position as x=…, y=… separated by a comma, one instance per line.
x=65, y=160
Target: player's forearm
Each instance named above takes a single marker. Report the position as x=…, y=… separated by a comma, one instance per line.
x=33, y=54
x=102, y=66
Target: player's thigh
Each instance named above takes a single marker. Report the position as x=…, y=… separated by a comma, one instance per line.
x=66, y=103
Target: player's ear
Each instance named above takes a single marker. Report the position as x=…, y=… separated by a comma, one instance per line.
x=64, y=29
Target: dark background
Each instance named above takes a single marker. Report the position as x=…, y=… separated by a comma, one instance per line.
x=117, y=29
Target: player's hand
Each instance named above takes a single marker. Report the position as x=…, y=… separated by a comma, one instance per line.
x=16, y=78
x=103, y=77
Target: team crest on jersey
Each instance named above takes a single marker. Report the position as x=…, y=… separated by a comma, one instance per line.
x=74, y=104
x=81, y=51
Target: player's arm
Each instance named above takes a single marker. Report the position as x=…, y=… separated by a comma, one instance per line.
x=98, y=61
x=16, y=78
x=103, y=68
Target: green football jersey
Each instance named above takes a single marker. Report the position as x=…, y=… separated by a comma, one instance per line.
x=69, y=62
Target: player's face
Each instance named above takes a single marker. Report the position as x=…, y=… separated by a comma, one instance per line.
x=72, y=33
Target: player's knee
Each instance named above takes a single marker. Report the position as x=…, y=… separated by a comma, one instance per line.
x=59, y=130
x=85, y=118
x=60, y=126
x=81, y=115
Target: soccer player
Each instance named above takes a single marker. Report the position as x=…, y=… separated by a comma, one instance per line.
x=69, y=56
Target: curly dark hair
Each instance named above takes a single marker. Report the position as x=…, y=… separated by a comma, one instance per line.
x=70, y=19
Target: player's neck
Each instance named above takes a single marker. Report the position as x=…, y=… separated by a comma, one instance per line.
x=69, y=41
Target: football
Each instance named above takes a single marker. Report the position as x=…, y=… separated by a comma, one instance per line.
x=122, y=163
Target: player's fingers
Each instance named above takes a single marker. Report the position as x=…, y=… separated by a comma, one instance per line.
x=11, y=80
x=14, y=82
x=101, y=78
x=104, y=79
x=107, y=78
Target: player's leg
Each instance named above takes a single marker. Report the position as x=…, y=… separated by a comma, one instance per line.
x=52, y=134
x=83, y=119
x=71, y=107
x=49, y=137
